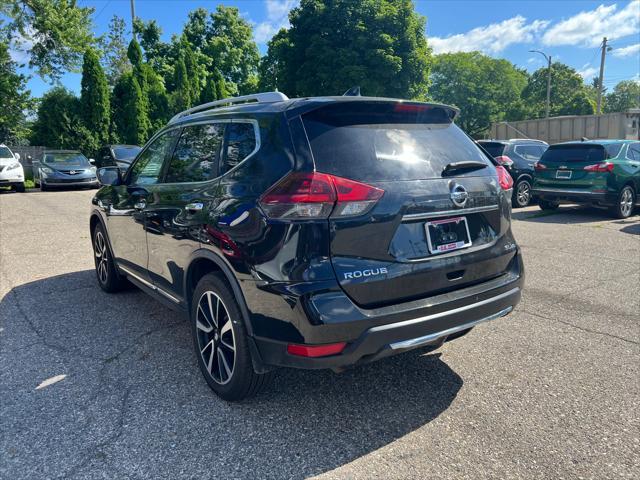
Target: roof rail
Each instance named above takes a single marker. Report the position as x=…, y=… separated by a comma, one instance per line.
x=266, y=97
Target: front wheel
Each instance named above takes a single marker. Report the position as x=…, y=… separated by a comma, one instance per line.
x=20, y=188
x=547, y=205
x=108, y=277
x=624, y=206
x=220, y=341
x=43, y=187
x=521, y=194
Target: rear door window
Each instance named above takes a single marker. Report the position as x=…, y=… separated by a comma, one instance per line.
x=196, y=156
x=633, y=153
x=531, y=153
x=240, y=143
x=387, y=141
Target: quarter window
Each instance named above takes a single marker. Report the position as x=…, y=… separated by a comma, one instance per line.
x=241, y=142
x=146, y=170
x=197, y=153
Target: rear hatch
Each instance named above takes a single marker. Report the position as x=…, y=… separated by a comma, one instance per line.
x=387, y=255
x=575, y=165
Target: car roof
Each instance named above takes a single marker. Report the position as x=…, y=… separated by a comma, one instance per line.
x=62, y=151
x=516, y=141
x=111, y=145
x=299, y=105
x=603, y=141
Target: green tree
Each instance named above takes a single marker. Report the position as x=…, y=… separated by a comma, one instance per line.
x=15, y=100
x=55, y=32
x=331, y=46
x=114, y=48
x=131, y=115
x=181, y=98
x=94, y=98
x=485, y=89
x=625, y=95
x=215, y=88
x=569, y=94
x=272, y=73
x=59, y=123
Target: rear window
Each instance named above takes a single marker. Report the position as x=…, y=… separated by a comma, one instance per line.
x=126, y=153
x=387, y=141
x=584, y=152
x=495, y=149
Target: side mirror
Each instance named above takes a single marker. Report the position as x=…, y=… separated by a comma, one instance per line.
x=30, y=158
x=17, y=156
x=92, y=161
x=109, y=176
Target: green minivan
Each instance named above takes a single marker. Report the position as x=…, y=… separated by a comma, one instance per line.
x=603, y=173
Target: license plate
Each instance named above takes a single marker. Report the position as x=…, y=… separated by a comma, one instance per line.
x=563, y=174
x=448, y=234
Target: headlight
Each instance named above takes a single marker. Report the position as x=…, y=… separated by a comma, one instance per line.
x=94, y=170
x=13, y=166
x=46, y=170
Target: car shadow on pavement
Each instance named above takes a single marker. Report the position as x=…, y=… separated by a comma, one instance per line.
x=132, y=375
x=567, y=214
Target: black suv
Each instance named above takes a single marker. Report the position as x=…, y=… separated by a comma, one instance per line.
x=117, y=156
x=518, y=156
x=311, y=233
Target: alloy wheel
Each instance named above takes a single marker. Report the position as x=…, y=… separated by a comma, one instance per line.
x=216, y=340
x=523, y=194
x=626, y=202
x=100, y=250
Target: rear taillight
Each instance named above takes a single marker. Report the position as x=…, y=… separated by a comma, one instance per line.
x=504, y=179
x=317, y=195
x=504, y=160
x=600, y=167
x=539, y=166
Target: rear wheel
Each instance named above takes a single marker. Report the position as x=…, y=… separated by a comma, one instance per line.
x=220, y=341
x=20, y=188
x=521, y=193
x=547, y=205
x=108, y=277
x=624, y=205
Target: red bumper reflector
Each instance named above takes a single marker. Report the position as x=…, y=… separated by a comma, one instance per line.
x=316, y=350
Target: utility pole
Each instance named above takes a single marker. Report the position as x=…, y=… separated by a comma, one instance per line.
x=601, y=76
x=548, y=59
x=133, y=18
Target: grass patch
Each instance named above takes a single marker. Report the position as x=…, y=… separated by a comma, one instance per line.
x=29, y=184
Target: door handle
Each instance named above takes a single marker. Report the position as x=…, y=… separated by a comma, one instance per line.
x=635, y=165
x=194, y=207
x=141, y=204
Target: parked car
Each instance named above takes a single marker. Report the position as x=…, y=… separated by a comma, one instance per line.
x=11, y=171
x=64, y=168
x=518, y=157
x=603, y=173
x=311, y=233
x=117, y=156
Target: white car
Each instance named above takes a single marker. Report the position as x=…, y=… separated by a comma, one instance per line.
x=11, y=171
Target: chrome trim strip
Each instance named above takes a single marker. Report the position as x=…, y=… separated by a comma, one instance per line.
x=446, y=213
x=566, y=190
x=446, y=313
x=149, y=284
x=416, y=342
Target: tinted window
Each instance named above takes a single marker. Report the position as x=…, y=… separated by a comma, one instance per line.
x=613, y=149
x=241, y=142
x=530, y=152
x=587, y=152
x=196, y=156
x=495, y=149
x=126, y=153
x=146, y=170
x=387, y=141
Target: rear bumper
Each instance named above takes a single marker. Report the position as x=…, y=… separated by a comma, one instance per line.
x=377, y=333
x=574, y=195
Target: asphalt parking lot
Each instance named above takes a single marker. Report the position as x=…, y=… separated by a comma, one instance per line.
x=552, y=391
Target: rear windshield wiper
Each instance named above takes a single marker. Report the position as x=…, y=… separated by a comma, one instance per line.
x=458, y=166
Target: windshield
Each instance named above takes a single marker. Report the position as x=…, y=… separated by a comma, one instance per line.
x=71, y=159
x=5, y=153
x=126, y=153
x=580, y=152
x=387, y=141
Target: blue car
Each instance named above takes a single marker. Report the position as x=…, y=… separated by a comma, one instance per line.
x=64, y=168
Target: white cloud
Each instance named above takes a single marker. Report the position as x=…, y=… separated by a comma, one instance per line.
x=277, y=18
x=627, y=51
x=587, y=28
x=492, y=38
x=587, y=72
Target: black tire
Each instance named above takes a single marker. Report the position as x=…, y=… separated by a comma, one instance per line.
x=625, y=202
x=231, y=376
x=521, y=196
x=20, y=188
x=106, y=272
x=43, y=187
x=547, y=205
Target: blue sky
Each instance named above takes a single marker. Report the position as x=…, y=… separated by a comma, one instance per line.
x=570, y=31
